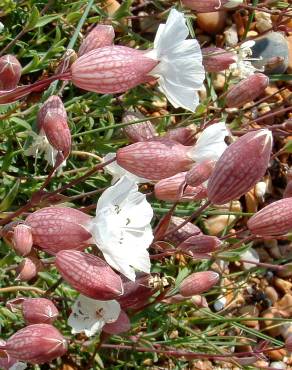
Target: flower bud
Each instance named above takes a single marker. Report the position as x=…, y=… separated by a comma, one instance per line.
x=141, y=131
x=204, y=6
x=183, y=233
x=121, y=325
x=154, y=160
x=172, y=189
x=240, y=167
x=57, y=228
x=10, y=72
x=247, y=90
x=100, y=36
x=198, y=282
x=28, y=268
x=57, y=132
x=36, y=344
x=35, y=310
x=111, y=69
x=274, y=219
x=89, y=275
x=52, y=105
x=200, y=173
x=217, y=59
x=198, y=246
x=136, y=293
x=22, y=239
x=183, y=135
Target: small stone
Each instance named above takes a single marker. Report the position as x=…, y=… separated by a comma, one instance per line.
x=263, y=21
x=278, y=365
x=216, y=224
x=285, y=305
x=231, y=37
x=250, y=255
x=249, y=311
x=219, y=81
x=268, y=324
x=273, y=51
x=212, y=23
x=272, y=294
x=286, y=330
x=285, y=273
x=283, y=286
x=220, y=304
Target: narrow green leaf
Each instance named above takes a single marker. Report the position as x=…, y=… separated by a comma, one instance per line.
x=46, y=19
x=8, y=200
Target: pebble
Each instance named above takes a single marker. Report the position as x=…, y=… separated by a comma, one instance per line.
x=250, y=255
x=231, y=37
x=250, y=311
x=277, y=354
x=283, y=285
x=272, y=294
x=269, y=325
x=285, y=305
x=278, y=365
x=216, y=224
x=270, y=47
x=285, y=273
x=220, y=304
x=212, y=23
x=263, y=21
x=286, y=330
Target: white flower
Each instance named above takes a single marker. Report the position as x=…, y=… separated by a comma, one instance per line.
x=180, y=72
x=211, y=144
x=41, y=145
x=90, y=315
x=243, y=67
x=117, y=171
x=121, y=228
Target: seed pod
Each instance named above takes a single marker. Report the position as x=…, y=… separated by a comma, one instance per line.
x=217, y=59
x=57, y=132
x=89, y=275
x=154, y=160
x=183, y=233
x=111, y=69
x=52, y=105
x=141, y=131
x=36, y=344
x=240, y=167
x=198, y=246
x=204, y=6
x=198, y=282
x=22, y=239
x=58, y=228
x=172, y=189
x=182, y=135
x=136, y=293
x=100, y=36
x=274, y=219
x=10, y=72
x=247, y=90
x=199, y=173
x=121, y=325
x=28, y=268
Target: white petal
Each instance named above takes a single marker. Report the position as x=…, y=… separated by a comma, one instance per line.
x=174, y=31
x=121, y=228
x=211, y=144
x=180, y=71
x=117, y=171
x=90, y=315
